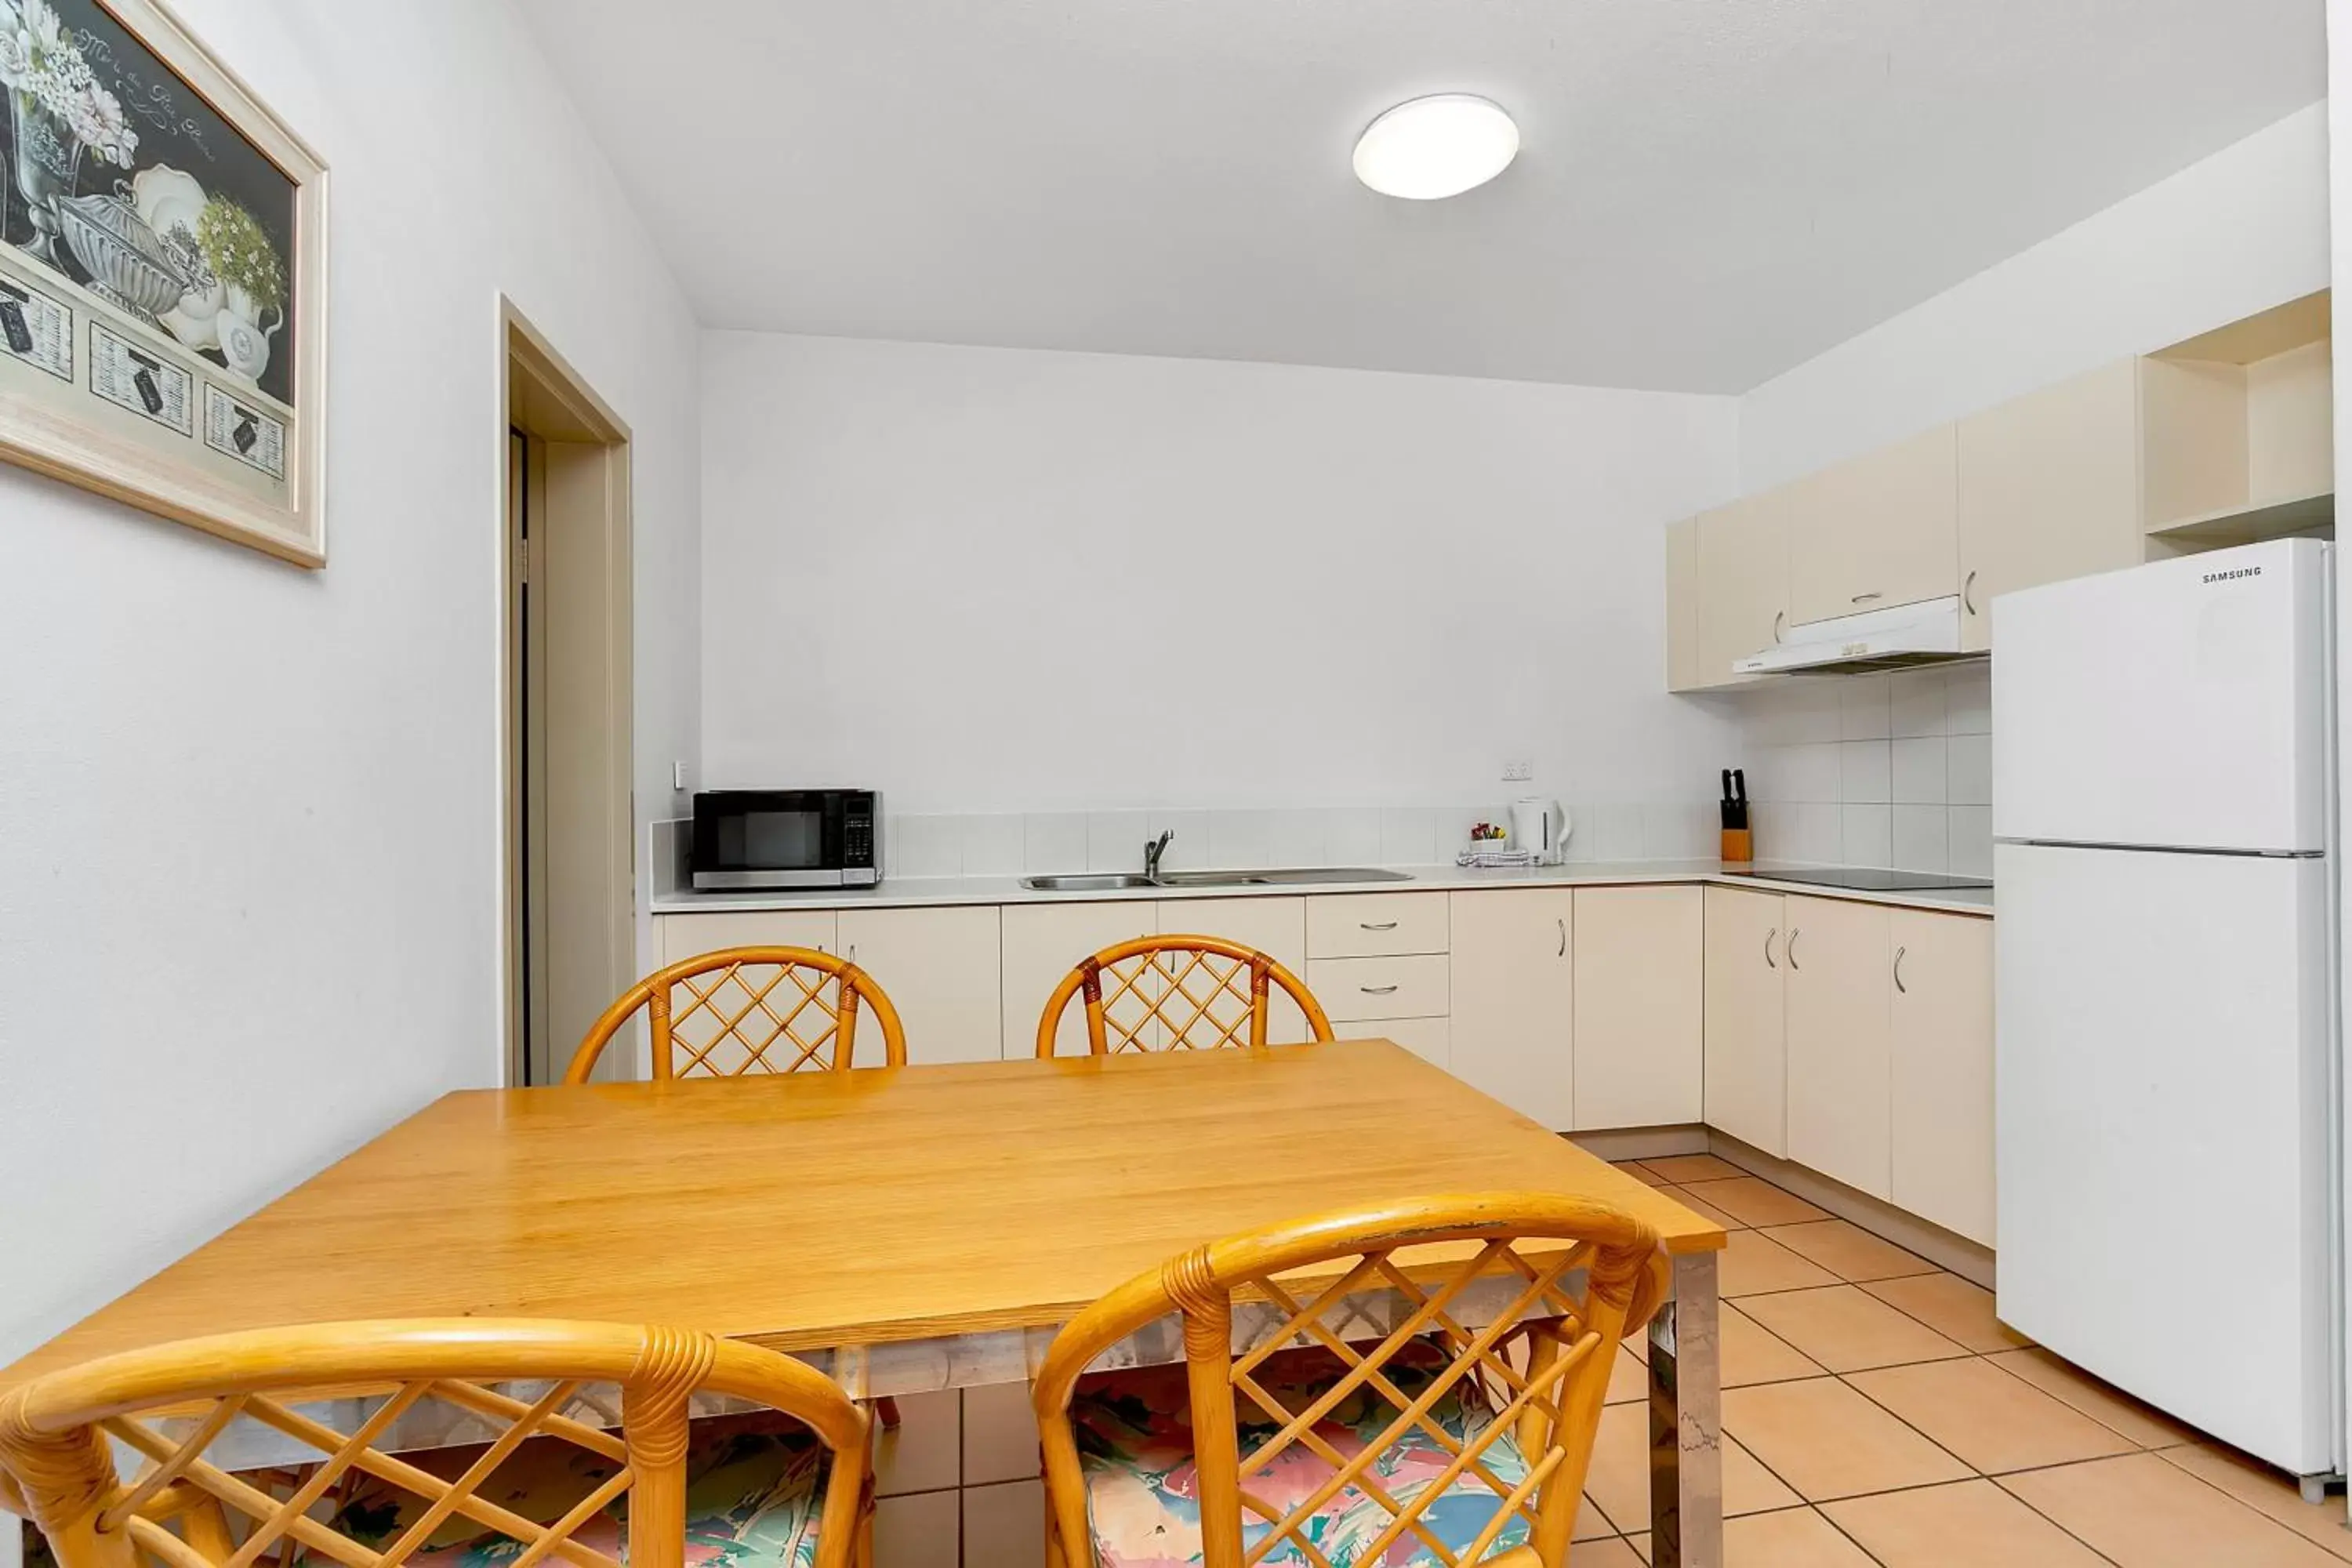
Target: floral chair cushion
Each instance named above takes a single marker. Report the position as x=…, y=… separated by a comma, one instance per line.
x=1135, y=1446
x=753, y=1496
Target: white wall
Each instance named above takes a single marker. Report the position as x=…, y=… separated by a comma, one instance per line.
x=249, y=815
x=2237, y=233
x=989, y=580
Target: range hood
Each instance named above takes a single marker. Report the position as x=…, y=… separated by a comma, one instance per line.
x=1927, y=632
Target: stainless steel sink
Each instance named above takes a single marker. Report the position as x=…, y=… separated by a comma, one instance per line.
x=1125, y=881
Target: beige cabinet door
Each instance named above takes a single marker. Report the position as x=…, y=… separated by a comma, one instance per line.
x=1838, y=1008
x=1942, y=1087
x=1276, y=927
x=1877, y=530
x=1639, y=986
x=1743, y=584
x=1042, y=943
x=687, y=936
x=1514, y=999
x=2049, y=490
x=1683, y=668
x=1747, y=1043
x=1431, y=1039
x=942, y=970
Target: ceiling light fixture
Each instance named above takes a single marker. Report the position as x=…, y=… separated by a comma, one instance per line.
x=1442, y=145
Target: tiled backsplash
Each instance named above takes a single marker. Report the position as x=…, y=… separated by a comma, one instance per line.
x=1875, y=770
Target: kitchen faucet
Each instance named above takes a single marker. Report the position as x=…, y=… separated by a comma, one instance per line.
x=1152, y=850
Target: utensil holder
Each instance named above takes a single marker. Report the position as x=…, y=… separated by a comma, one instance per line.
x=1738, y=845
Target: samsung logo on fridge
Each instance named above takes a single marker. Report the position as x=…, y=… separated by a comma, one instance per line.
x=2233, y=573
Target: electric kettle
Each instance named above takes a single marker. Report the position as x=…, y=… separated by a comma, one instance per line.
x=1540, y=827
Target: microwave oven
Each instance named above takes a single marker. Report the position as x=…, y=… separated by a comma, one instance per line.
x=776, y=838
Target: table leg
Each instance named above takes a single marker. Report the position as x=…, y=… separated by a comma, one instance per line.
x=1686, y=1422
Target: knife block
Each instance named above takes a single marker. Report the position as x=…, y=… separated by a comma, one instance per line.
x=1738, y=845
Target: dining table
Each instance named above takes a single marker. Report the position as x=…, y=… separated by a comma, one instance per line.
x=909, y=1229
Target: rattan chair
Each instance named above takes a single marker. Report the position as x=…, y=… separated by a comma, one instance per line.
x=1176, y=992
x=1303, y=1423
x=722, y=1013
x=789, y=1488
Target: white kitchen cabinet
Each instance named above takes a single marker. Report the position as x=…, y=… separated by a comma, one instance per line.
x=1514, y=995
x=1747, y=1037
x=1042, y=943
x=1840, y=1020
x=1639, y=984
x=1941, y=1091
x=1876, y=531
x=2049, y=488
x=1743, y=583
x=1276, y=927
x=1364, y=990
x=942, y=969
x=686, y=936
x=1375, y=925
x=1431, y=1039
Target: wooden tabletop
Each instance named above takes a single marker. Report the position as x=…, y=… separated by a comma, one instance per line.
x=848, y=1208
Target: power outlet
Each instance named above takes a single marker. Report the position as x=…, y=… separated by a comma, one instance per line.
x=677, y=775
x=1518, y=769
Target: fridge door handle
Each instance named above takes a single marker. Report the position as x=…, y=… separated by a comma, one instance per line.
x=1898, y=970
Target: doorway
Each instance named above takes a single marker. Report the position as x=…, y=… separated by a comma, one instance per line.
x=569, y=860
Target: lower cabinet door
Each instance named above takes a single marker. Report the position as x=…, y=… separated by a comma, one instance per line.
x=1042, y=943
x=1276, y=927
x=1747, y=1041
x=1942, y=1091
x=1840, y=1041
x=1431, y=1039
x=1514, y=999
x=941, y=969
x=687, y=936
x=1640, y=982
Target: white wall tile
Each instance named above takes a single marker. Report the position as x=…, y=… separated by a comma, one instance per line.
x=1054, y=841
x=1299, y=838
x=1969, y=828
x=1862, y=708
x=1616, y=832
x=1115, y=840
x=1968, y=697
x=1188, y=850
x=1408, y=836
x=1916, y=702
x=1812, y=714
x=1690, y=830
x=1863, y=771
x=922, y=847
x=1919, y=843
x=1807, y=832
x=1866, y=834
x=993, y=845
x=1241, y=838
x=1352, y=834
x=1583, y=840
x=1918, y=771
x=1812, y=772
x=1969, y=770
x=1455, y=821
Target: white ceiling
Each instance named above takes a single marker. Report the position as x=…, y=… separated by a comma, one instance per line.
x=1708, y=192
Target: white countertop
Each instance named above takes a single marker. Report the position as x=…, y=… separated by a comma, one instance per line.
x=908, y=893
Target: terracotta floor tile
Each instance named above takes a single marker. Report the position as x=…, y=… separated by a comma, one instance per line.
x=1752, y=1353
x=1681, y=1169
x=1618, y=1481
x=1793, y=1538
x=1757, y=1201
x=2109, y=1406
x=1828, y=1441
x=2145, y=1513
x=1953, y=1307
x=2258, y=1485
x=1591, y=1523
x=1970, y=1524
x=1641, y=1173
x=1845, y=1328
x=1849, y=1251
x=1753, y=1264
x=1703, y=1209
x=1611, y=1551
x=1627, y=1380
x=1640, y=1543
x=1993, y=1420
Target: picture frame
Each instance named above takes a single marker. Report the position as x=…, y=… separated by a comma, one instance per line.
x=163, y=277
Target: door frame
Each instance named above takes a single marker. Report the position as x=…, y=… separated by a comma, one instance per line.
x=540, y=395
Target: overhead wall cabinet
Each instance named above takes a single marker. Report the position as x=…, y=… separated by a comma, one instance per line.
x=1741, y=578
x=1876, y=532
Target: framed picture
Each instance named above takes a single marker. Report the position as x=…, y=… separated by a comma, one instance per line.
x=163, y=277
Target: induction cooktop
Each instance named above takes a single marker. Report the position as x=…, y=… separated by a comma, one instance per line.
x=1861, y=879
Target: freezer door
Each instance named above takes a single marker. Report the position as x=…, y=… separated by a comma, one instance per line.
x=2183, y=704
x=2162, y=1115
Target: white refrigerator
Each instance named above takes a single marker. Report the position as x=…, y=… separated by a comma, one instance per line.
x=2167, y=1087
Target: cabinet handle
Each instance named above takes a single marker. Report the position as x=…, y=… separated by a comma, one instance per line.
x=1770, y=962
x=1864, y=598
x=850, y=956
x=1376, y=990
x=1898, y=970
x=1384, y=925
x=1779, y=618
x=1968, y=598
x=1563, y=938
x=1793, y=935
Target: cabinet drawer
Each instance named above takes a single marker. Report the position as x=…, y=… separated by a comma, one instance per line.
x=1376, y=925
x=1360, y=990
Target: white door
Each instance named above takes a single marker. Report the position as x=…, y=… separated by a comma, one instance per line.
x=1042, y=943
x=1942, y=1086
x=2179, y=704
x=2162, y=1059
x=1747, y=1041
x=940, y=968
x=1639, y=991
x=1514, y=999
